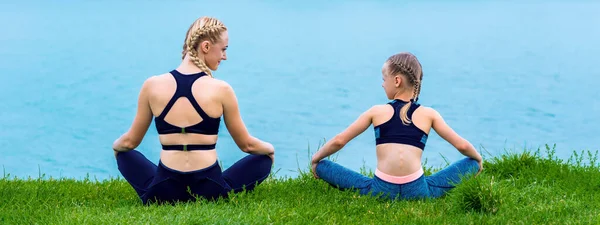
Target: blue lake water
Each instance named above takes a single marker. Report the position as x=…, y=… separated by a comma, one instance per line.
x=504, y=74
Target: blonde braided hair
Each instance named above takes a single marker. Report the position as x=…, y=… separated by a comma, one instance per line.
x=204, y=28
x=407, y=65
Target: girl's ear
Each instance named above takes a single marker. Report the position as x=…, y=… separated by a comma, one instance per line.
x=398, y=81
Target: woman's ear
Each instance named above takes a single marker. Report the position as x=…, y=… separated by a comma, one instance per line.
x=205, y=46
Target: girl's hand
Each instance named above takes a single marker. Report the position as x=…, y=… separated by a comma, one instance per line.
x=314, y=169
x=480, y=162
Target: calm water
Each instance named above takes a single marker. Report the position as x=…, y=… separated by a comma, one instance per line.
x=506, y=75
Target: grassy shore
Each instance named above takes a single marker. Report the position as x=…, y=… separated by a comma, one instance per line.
x=528, y=187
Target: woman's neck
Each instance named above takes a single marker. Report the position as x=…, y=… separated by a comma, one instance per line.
x=187, y=66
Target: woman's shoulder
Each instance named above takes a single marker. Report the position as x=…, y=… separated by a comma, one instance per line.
x=220, y=85
x=152, y=80
x=167, y=77
x=156, y=78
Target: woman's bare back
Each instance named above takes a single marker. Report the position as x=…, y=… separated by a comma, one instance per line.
x=205, y=91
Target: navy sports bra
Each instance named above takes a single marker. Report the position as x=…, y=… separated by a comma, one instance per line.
x=394, y=131
x=208, y=125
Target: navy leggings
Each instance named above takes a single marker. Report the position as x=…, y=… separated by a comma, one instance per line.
x=164, y=185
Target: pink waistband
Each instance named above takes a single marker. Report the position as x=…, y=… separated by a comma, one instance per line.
x=397, y=179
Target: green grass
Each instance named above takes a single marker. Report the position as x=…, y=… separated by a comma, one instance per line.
x=529, y=187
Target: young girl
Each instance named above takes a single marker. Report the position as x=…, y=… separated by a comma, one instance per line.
x=401, y=129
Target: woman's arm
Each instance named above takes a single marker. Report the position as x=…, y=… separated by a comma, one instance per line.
x=237, y=129
x=143, y=118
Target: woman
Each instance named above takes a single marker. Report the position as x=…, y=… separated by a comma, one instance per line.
x=187, y=105
x=401, y=129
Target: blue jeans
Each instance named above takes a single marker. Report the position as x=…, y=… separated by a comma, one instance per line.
x=433, y=186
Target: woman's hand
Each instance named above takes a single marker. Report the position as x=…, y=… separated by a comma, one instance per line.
x=272, y=156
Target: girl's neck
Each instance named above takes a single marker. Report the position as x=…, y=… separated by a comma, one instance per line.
x=405, y=95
